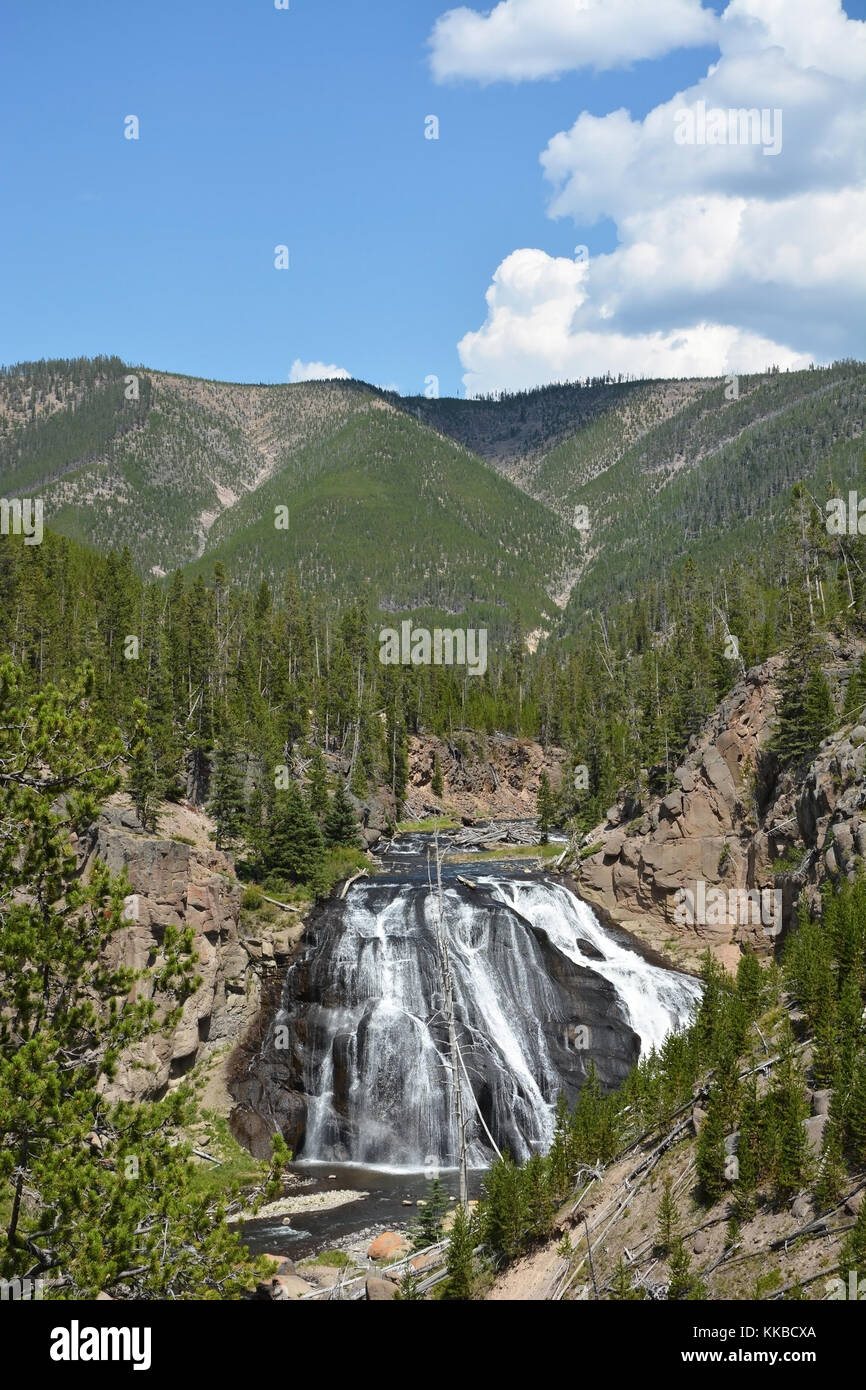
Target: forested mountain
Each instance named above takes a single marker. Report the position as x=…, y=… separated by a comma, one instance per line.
x=368, y=496
x=403, y=500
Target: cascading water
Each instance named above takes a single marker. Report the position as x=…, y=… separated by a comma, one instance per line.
x=356, y=1066
x=657, y=1001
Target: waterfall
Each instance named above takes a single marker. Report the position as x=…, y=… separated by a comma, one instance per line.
x=356, y=1067
x=657, y=1001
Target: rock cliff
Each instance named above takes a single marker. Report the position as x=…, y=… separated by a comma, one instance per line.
x=736, y=825
x=192, y=885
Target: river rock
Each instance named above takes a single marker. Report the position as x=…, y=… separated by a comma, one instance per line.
x=390, y=1245
x=283, y=1288
x=377, y=1290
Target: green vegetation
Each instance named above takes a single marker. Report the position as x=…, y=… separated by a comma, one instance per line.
x=104, y=1192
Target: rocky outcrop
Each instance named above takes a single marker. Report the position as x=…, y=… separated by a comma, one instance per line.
x=484, y=776
x=734, y=825
x=175, y=884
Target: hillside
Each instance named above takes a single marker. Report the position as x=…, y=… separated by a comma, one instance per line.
x=193, y=470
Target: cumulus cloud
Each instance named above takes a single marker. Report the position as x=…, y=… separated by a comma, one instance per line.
x=316, y=371
x=542, y=327
x=521, y=39
x=728, y=258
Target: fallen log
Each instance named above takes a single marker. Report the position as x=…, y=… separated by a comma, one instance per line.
x=362, y=873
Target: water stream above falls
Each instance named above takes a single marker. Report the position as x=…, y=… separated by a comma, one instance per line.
x=355, y=1066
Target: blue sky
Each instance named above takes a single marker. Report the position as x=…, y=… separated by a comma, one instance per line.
x=306, y=127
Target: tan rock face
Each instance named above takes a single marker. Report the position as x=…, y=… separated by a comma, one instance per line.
x=730, y=821
x=484, y=777
x=182, y=886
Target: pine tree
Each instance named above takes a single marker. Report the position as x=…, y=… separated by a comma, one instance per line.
x=461, y=1243
x=561, y=1158
x=317, y=784
x=294, y=846
x=748, y=1153
x=410, y=1286
x=710, y=1157
x=831, y=1172
x=145, y=782
x=341, y=825
x=503, y=1211
x=427, y=1226
x=805, y=712
x=117, y=1213
x=683, y=1283
x=437, y=785
x=853, y=1256
x=855, y=1113
x=788, y=1109
x=545, y=807
x=622, y=1287
x=750, y=983
x=667, y=1231
x=227, y=804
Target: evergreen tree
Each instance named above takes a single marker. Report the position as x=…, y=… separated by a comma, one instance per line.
x=853, y=1256
x=437, y=785
x=410, y=1290
x=787, y=1111
x=101, y=1192
x=427, y=1226
x=622, y=1287
x=227, y=805
x=855, y=1113
x=341, y=825
x=684, y=1284
x=710, y=1157
x=545, y=807
x=317, y=784
x=294, y=845
x=145, y=782
x=805, y=709
x=667, y=1231
x=461, y=1243
x=831, y=1172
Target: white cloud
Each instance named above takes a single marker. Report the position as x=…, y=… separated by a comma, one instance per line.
x=727, y=259
x=521, y=39
x=316, y=371
x=538, y=330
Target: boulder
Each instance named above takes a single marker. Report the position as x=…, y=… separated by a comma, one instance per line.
x=821, y=1102
x=814, y=1128
x=283, y=1288
x=378, y=1290
x=390, y=1245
